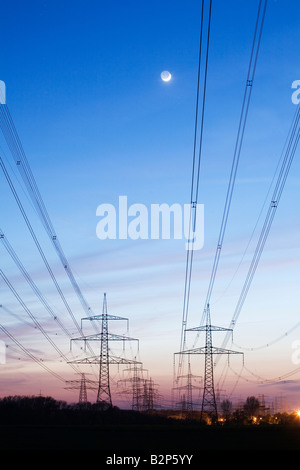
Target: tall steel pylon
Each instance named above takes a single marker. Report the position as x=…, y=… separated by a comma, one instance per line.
x=105, y=358
x=104, y=394
x=209, y=404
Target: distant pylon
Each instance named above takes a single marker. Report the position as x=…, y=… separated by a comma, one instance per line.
x=150, y=393
x=137, y=383
x=209, y=404
x=82, y=391
x=148, y=401
x=187, y=405
x=83, y=385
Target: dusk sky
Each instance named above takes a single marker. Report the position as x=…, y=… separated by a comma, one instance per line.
x=96, y=122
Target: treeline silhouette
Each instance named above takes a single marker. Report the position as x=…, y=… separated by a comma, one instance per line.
x=46, y=410
x=36, y=410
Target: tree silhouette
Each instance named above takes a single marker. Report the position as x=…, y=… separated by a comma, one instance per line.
x=251, y=406
x=226, y=407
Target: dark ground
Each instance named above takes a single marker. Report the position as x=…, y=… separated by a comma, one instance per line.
x=154, y=438
x=43, y=424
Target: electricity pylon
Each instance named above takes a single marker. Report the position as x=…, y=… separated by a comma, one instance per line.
x=149, y=395
x=137, y=384
x=105, y=358
x=82, y=391
x=209, y=404
x=187, y=406
x=83, y=385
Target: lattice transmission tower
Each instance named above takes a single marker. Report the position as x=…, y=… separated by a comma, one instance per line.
x=150, y=395
x=186, y=401
x=209, y=403
x=104, y=359
x=83, y=385
x=137, y=381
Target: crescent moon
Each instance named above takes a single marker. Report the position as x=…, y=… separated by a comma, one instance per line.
x=166, y=76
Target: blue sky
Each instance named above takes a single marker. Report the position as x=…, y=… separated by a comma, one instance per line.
x=96, y=122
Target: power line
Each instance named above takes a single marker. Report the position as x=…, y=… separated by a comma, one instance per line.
x=17, y=151
x=238, y=145
x=32, y=356
x=31, y=283
x=279, y=164
x=29, y=280
x=33, y=318
x=270, y=343
x=195, y=172
x=289, y=152
x=273, y=205
x=262, y=380
x=11, y=185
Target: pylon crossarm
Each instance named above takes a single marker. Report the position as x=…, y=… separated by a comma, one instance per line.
x=121, y=360
x=209, y=327
x=86, y=360
x=186, y=387
x=98, y=337
x=97, y=360
x=212, y=350
x=103, y=316
x=193, y=351
x=75, y=382
x=224, y=351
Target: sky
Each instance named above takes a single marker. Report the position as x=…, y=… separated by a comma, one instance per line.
x=96, y=122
